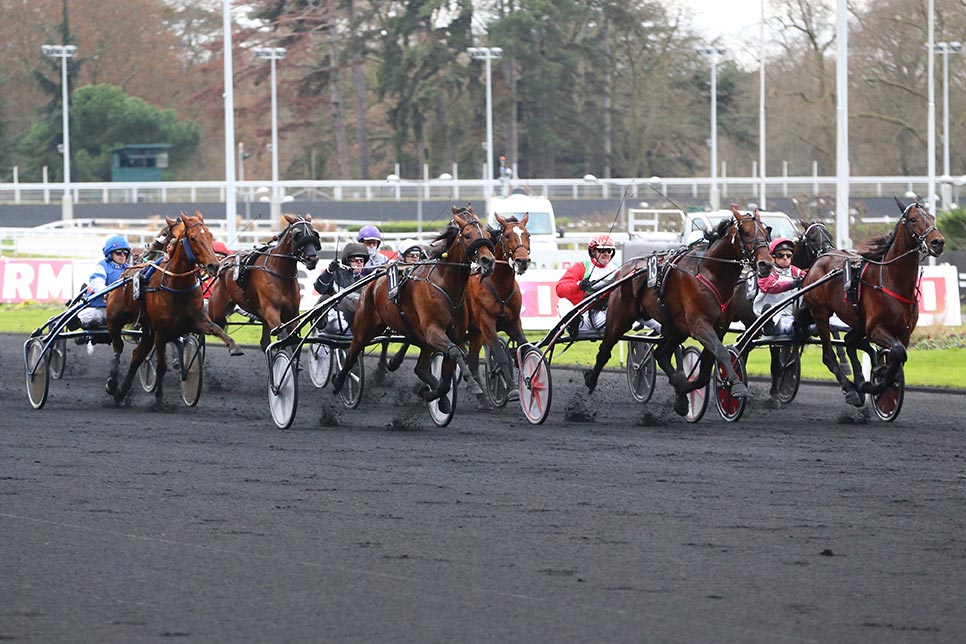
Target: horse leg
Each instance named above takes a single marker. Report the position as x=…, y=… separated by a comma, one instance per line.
x=397, y=359
x=117, y=343
x=138, y=356
x=437, y=339
x=443, y=385
x=619, y=321
x=884, y=376
x=206, y=326
x=160, y=370
x=776, y=369
x=831, y=362
x=424, y=372
x=706, y=335
x=841, y=353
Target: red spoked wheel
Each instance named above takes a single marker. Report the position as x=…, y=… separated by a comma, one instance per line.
x=697, y=399
x=535, y=384
x=888, y=402
x=730, y=407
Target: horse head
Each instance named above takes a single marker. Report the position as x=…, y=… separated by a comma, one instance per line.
x=515, y=242
x=305, y=239
x=921, y=227
x=474, y=240
x=754, y=241
x=812, y=244
x=196, y=242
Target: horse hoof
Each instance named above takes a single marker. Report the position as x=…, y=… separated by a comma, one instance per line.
x=110, y=387
x=444, y=405
x=483, y=404
x=236, y=351
x=853, y=398
x=590, y=381
x=681, y=405
x=513, y=395
x=739, y=390
x=422, y=390
x=473, y=389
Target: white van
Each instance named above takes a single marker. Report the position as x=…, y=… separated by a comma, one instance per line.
x=542, y=223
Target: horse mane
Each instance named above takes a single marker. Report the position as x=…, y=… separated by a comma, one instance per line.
x=442, y=241
x=719, y=231
x=877, y=247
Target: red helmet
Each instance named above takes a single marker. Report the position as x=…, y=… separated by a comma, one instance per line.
x=602, y=241
x=220, y=248
x=780, y=242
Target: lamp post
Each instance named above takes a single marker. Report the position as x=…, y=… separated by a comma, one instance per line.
x=273, y=54
x=945, y=48
x=231, y=209
x=713, y=53
x=64, y=52
x=488, y=54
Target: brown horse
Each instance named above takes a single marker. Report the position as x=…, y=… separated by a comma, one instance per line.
x=429, y=308
x=170, y=304
x=494, y=301
x=270, y=290
x=697, y=291
x=886, y=306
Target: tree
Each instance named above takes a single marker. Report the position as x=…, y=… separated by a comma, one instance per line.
x=104, y=117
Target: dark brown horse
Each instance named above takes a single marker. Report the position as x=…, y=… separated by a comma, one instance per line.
x=429, y=309
x=169, y=306
x=886, y=306
x=697, y=286
x=494, y=301
x=270, y=289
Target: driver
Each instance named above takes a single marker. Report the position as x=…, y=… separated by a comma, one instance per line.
x=587, y=277
x=338, y=276
x=116, y=252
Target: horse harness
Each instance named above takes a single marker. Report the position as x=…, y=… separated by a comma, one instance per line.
x=246, y=263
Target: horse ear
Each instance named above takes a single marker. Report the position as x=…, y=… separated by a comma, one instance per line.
x=902, y=206
x=199, y=215
x=171, y=222
x=526, y=216
x=289, y=218
x=307, y=217
x=500, y=219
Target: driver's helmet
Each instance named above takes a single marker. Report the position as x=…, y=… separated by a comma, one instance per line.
x=113, y=243
x=354, y=249
x=781, y=243
x=600, y=242
x=369, y=233
x=220, y=248
x=408, y=246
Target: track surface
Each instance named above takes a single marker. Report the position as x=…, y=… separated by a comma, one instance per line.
x=612, y=522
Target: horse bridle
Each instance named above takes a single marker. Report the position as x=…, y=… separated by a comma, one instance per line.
x=920, y=239
x=758, y=242
x=826, y=243
x=473, y=249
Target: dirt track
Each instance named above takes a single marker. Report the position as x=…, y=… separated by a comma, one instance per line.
x=611, y=522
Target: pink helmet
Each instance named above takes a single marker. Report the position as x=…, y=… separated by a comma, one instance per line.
x=602, y=241
x=220, y=248
x=780, y=242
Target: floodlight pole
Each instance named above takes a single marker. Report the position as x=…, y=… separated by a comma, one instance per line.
x=713, y=53
x=273, y=54
x=488, y=54
x=64, y=52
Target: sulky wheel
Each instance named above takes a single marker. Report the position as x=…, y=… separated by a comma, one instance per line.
x=498, y=382
x=319, y=363
x=641, y=370
x=730, y=407
x=791, y=375
x=192, y=371
x=888, y=402
x=442, y=418
x=283, y=388
x=697, y=399
x=351, y=392
x=38, y=376
x=58, y=358
x=148, y=373
x=536, y=387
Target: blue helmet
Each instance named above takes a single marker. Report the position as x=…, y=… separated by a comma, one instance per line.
x=369, y=233
x=113, y=243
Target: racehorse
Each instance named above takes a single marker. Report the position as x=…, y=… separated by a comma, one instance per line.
x=270, y=288
x=692, y=299
x=494, y=301
x=169, y=306
x=885, y=307
x=429, y=307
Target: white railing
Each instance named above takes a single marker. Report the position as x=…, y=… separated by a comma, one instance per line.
x=459, y=190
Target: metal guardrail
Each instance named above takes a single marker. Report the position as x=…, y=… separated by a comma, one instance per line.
x=457, y=189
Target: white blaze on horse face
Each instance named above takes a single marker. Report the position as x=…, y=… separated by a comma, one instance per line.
x=518, y=231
